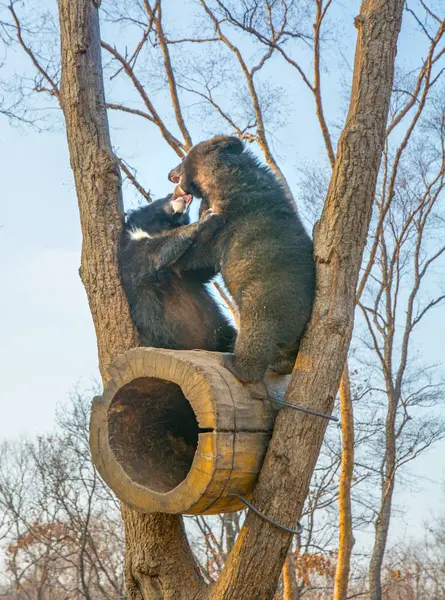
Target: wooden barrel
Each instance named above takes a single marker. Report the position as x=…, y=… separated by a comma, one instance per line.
x=176, y=432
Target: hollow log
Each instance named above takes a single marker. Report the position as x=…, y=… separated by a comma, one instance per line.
x=176, y=432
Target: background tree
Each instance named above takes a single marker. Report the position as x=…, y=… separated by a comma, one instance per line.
x=62, y=524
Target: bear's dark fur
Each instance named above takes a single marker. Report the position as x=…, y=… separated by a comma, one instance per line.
x=264, y=253
x=170, y=309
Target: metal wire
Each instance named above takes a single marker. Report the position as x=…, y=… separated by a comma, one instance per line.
x=309, y=411
x=298, y=531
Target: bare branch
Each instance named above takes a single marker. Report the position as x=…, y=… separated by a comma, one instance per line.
x=230, y=304
x=320, y=14
x=261, y=137
x=133, y=180
x=389, y=193
x=133, y=111
x=53, y=87
x=169, y=70
x=193, y=40
x=173, y=142
x=429, y=61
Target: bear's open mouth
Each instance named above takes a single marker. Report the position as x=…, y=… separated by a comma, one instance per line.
x=187, y=198
x=178, y=192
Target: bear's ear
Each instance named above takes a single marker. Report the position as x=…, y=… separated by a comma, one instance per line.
x=229, y=144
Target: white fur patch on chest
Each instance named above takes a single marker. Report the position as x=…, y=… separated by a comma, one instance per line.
x=138, y=234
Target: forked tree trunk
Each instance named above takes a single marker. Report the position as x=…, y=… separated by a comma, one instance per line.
x=159, y=561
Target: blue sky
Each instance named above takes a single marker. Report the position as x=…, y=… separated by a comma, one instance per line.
x=47, y=342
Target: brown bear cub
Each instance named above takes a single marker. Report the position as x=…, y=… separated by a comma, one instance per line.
x=261, y=248
x=170, y=309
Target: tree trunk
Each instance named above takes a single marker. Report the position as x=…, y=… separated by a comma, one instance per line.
x=159, y=563
x=345, y=538
x=384, y=516
x=289, y=579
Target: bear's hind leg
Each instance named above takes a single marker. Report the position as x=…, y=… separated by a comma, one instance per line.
x=285, y=362
x=255, y=350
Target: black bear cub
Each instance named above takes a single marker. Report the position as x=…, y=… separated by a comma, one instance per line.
x=171, y=309
x=264, y=253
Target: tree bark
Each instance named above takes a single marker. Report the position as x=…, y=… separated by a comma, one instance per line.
x=159, y=563
x=345, y=538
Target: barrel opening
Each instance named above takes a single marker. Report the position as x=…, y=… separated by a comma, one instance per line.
x=153, y=432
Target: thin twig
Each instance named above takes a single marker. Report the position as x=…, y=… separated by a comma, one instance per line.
x=30, y=53
x=133, y=180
